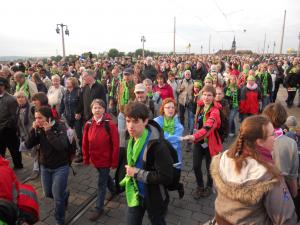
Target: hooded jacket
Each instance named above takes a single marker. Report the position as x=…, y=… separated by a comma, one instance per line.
x=210, y=128
x=98, y=146
x=252, y=196
x=156, y=171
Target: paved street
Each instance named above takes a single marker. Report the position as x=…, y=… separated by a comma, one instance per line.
x=83, y=186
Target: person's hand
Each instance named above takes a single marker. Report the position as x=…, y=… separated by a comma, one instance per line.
x=189, y=138
x=130, y=171
x=77, y=116
x=34, y=125
x=47, y=125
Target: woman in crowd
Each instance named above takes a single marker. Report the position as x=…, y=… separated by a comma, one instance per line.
x=51, y=135
x=173, y=129
x=207, y=140
x=250, y=101
x=163, y=89
x=55, y=93
x=250, y=189
x=68, y=108
x=100, y=146
x=41, y=87
x=232, y=94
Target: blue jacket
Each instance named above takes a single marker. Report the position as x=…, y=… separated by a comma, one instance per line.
x=173, y=138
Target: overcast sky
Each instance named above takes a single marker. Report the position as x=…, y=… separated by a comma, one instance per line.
x=28, y=27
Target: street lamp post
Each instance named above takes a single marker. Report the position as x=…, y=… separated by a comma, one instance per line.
x=201, y=49
x=62, y=35
x=274, y=44
x=143, y=40
x=298, y=53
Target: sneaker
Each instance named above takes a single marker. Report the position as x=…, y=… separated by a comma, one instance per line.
x=95, y=215
x=231, y=134
x=197, y=194
x=78, y=160
x=206, y=192
x=35, y=174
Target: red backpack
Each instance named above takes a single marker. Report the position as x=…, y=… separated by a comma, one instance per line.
x=21, y=195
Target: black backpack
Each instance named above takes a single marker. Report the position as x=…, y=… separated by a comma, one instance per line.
x=224, y=129
x=175, y=185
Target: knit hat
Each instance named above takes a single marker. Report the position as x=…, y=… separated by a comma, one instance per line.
x=251, y=78
x=208, y=77
x=3, y=82
x=291, y=121
x=198, y=84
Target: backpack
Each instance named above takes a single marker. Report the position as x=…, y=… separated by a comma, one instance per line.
x=106, y=126
x=224, y=128
x=175, y=185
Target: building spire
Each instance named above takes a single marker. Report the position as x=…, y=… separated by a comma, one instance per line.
x=233, y=47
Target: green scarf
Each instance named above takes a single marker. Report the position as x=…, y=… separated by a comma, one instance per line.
x=169, y=125
x=133, y=152
x=125, y=95
x=24, y=88
x=246, y=71
x=111, y=93
x=150, y=94
x=235, y=103
x=264, y=78
x=204, y=118
x=2, y=223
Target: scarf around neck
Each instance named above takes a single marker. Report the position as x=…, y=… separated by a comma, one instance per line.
x=125, y=95
x=24, y=88
x=169, y=125
x=265, y=154
x=232, y=91
x=133, y=151
x=252, y=87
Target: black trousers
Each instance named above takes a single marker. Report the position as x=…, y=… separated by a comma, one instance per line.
x=10, y=140
x=290, y=98
x=277, y=85
x=200, y=153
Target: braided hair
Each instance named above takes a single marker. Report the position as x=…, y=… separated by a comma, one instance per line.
x=245, y=146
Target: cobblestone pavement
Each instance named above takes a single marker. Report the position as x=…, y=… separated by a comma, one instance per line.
x=83, y=186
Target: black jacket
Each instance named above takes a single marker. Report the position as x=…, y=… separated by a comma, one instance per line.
x=157, y=171
x=8, y=109
x=292, y=79
x=53, y=145
x=69, y=104
x=87, y=96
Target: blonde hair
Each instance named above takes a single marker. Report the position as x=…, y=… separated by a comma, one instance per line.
x=55, y=76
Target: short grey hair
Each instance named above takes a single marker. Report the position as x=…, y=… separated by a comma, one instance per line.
x=90, y=73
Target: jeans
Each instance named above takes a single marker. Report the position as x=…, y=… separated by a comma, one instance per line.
x=200, y=153
x=121, y=122
x=265, y=101
x=191, y=117
x=104, y=180
x=78, y=126
x=244, y=116
x=135, y=215
x=232, y=116
x=54, y=183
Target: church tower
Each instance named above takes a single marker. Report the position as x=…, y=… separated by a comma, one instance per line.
x=233, y=47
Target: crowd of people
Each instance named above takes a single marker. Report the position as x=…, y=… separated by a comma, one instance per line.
x=129, y=114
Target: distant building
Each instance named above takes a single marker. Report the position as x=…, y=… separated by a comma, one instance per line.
x=233, y=50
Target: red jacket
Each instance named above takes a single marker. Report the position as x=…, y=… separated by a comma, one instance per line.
x=249, y=103
x=98, y=146
x=165, y=92
x=209, y=129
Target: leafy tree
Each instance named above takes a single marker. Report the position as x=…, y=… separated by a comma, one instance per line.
x=113, y=53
